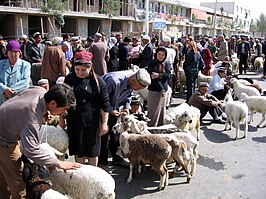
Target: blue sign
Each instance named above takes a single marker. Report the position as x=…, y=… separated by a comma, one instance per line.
x=159, y=25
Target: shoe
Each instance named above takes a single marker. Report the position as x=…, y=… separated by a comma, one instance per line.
x=122, y=163
x=105, y=167
x=219, y=121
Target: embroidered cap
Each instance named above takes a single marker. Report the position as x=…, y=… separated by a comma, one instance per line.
x=167, y=39
x=83, y=57
x=43, y=81
x=135, y=100
x=13, y=45
x=143, y=77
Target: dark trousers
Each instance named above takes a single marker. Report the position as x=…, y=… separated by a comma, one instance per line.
x=35, y=73
x=220, y=94
x=108, y=141
x=191, y=79
x=243, y=60
x=215, y=112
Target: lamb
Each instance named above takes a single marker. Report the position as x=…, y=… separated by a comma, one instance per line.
x=88, y=181
x=143, y=94
x=203, y=78
x=56, y=137
x=255, y=104
x=182, y=79
x=239, y=88
x=189, y=120
x=180, y=155
x=148, y=149
x=258, y=63
x=173, y=112
x=237, y=113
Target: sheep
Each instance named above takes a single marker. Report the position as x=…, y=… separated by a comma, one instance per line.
x=239, y=88
x=56, y=137
x=258, y=63
x=203, y=78
x=180, y=155
x=143, y=94
x=237, y=113
x=150, y=149
x=257, y=86
x=173, y=112
x=189, y=120
x=255, y=104
x=88, y=181
x=182, y=79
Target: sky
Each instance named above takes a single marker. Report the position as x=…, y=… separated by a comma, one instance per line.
x=256, y=6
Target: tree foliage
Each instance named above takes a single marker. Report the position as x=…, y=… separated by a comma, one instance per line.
x=111, y=8
x=54, y=7
x=261, y=24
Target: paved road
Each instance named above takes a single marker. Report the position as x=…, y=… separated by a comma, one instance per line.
x=226, y=169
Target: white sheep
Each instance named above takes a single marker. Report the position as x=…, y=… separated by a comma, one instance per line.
x=203, y=78
x=181, y=79
x=258, y=63
x=88, y=182
x=52, y=194
x=173, y=112
x=149, y=149
x=239, y=88
x=56, y=137
x=237, y=113
x=255, y=104
x=143, y=94
x=189, y=120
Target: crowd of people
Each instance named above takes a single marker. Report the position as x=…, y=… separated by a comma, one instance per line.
x=89, y=84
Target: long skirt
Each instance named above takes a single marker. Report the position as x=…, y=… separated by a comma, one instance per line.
x=156, y=108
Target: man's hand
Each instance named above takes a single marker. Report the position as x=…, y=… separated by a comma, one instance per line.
x=103, y=129
x=8, y=92
x=115, y=113
x=125, y=112
x=67, y=165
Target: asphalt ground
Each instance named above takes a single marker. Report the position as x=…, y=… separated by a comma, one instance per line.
x=226, y=169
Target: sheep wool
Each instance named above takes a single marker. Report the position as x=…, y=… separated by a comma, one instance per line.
x=88, y=182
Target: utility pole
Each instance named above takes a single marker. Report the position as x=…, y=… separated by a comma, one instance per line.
x=147, y=3
x=214, y=20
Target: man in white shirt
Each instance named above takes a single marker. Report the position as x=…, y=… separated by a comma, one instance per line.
x=218, y=84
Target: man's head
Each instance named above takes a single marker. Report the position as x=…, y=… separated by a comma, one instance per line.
x=59, y=98
x=139, y=80
x=37, y=36
x=203, y=88
x=222, y=72
x=145, y=39
x=44, y=83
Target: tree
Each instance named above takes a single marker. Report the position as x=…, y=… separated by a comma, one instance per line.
x=111, y=8
x=56, y=8
x=261, y=24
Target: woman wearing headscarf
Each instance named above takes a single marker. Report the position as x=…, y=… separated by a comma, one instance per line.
x=88, y=122
x=160, y=72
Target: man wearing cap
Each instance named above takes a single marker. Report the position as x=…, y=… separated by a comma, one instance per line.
x=2, y=48
x=133, y=51
x=36, y=52
x=14, y=72
x=54, y=62
x=101, y=55
x=76, y=47
x=146, y=52
x=24, y=47
x=243, y=54
x=223, y=50
x=119, y=87
x=207, y=103
x=218, y=85
x=44, y=83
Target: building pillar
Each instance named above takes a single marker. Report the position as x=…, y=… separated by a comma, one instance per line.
x=22, y=26
x=106, y=27
x=82, y=27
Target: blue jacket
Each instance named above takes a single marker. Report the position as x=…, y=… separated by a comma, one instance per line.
x=18, y=78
